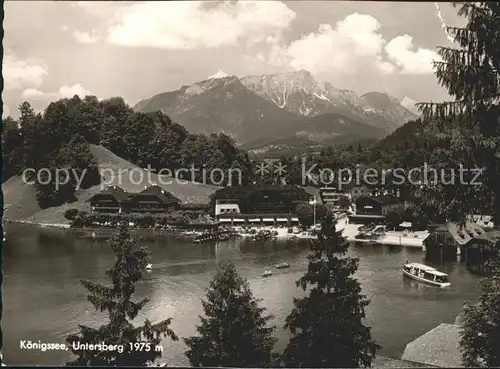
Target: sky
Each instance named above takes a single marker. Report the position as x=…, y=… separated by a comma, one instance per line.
x=138, y=49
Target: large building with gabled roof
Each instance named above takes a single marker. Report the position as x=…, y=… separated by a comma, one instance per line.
x=153, y=199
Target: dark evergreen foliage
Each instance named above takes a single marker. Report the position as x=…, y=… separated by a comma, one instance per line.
x=116, y=300
x=470, y=72
x=234, y=332
x=60, y=137
x=480, y=336
x=327, y=325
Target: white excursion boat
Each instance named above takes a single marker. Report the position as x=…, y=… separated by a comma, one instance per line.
x=267, y=273
x=426, y=274
x=282, y=266
x=149, y=266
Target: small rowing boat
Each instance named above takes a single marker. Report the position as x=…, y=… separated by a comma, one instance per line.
x=282, y=266
x=149, y=266
x=267, y=273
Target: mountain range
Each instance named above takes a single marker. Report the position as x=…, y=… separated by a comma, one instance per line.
x=278, y=106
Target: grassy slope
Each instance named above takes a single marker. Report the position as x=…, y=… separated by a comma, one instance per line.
x=23, y=206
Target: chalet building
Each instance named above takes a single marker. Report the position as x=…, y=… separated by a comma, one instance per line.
x=114, y=199
x=258, y=203
x=111, y=200
x=373, y=209
x=153, y=199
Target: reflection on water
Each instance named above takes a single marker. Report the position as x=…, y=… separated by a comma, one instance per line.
x=43, y=299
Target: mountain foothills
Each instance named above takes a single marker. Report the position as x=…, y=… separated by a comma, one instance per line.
x=62, y=138
x=279, y=106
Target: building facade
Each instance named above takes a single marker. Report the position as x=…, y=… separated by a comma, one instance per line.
x=153, y=199
x=114, y=199
x=265, y=201
x=111, y=200
x=373, y=209
x=331, y=196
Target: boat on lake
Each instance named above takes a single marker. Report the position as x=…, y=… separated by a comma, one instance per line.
x=426, y=274
x=282, y=266
x=149, y=266
x=267, y=273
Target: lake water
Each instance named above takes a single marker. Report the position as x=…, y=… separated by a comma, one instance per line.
x=43, y=299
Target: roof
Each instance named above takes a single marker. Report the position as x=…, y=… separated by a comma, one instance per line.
x=315, y=192
x=438, y=273
x=421, y=266
x=163, y=196
x=117, y=192
x=492, y=236
x=438, y=347
x=387, y=199
x=240, y=192
x=464, y=234
x=123, y=196
x=483, y=220
x=382, y=199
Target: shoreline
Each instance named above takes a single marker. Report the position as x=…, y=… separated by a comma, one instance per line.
x=38, y=224
x=349, y=231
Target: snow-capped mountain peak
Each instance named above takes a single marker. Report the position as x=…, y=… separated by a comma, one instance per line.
x=409, y=104
x=219, y=74
x=300, y=93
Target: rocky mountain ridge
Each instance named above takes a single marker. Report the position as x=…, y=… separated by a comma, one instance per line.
x=278, y=106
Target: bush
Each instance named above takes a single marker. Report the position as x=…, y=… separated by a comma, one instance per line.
x=71, y=214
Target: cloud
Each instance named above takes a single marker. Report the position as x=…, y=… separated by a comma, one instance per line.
x=85, y=37
x=63, y=92
x=33, y=93
x=354, y=45
x=399, y=49
x=20, y=74
x=70, y=91
x=195, y=24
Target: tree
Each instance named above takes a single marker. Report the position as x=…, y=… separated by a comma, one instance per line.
x=117, y=301
x=12, y=148
x=234, y=332
x=470, y=70
x=480, y=338
x=327, y=325
x=393, y=218
x=344, y=202
x=305, y=214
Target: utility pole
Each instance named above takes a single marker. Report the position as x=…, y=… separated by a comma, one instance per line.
x=313, y=203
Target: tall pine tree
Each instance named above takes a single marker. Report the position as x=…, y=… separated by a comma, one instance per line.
x=233, y=332
x=117, y=301
x=470, y=71
x=327, y=325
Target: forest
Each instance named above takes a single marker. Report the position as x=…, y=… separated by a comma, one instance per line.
x=60, y=136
